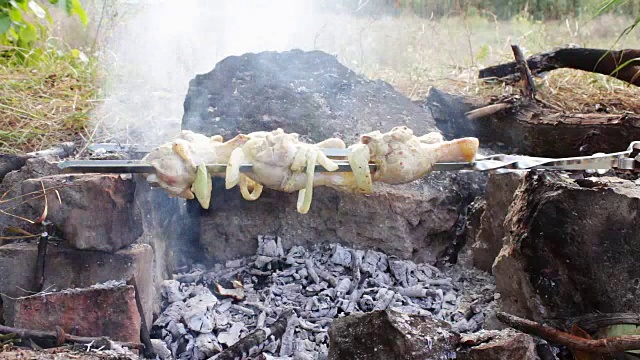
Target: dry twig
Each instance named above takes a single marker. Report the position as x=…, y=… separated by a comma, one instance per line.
x=59, y=337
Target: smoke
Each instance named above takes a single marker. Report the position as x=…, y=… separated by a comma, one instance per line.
x=159, y=46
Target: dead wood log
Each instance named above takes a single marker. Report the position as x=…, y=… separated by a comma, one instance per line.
x=602, y=346
x=532, y=128
x=529, y=88
x=59, y=337
x=241, y=349
x=599, y=61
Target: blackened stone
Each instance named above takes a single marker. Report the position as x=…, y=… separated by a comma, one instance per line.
x=309, y=93
x=390, y=335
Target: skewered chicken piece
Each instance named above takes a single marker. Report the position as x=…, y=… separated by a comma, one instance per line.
x=402, y=157
x=280, y=161
x=180, y=164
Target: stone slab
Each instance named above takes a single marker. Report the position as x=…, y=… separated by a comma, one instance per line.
x=71, y=268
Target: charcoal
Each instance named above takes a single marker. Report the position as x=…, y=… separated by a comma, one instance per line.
x=198, y=290
x=189, y=277
x=383, y=299
x=198, y=315
x=224, y=305
x=326, y=276
x=270, y=246
x=288, y=338
x=171, y=291
x=375, y=261
x=160, y=349
x=311, y=270
x=302, y=355
x=243, y=310
x=172, y=313
x=206, y=346
x=367, y=303
x=341, y=256
x=343, y=287
x=318, y=285
x=232, y=335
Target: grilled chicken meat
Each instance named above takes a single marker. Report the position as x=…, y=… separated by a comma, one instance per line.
x=401, y=157
x=176, y=163
x=280, y=161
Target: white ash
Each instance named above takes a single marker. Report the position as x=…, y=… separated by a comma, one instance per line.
x=206, y=311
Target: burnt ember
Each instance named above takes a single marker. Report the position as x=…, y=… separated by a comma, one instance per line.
x=248, y=300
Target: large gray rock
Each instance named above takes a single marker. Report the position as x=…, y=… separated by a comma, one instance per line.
x=486, y=237
x=571, y=248
x=90, y=211
x=413, y=221
x=309, y=93
x=312, y=94
x=494, y=345
x=391, y=335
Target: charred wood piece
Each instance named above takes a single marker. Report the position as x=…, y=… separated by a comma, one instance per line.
x=602, y=346
x=599, y=61
x=529, y=88
x=243, y=347
x=144, y=329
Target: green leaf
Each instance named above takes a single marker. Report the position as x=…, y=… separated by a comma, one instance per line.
x=28, y=34
x=74, y=7
x=5, y=23
x=16, y=16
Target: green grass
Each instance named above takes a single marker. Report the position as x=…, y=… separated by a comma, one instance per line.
x=45, y=103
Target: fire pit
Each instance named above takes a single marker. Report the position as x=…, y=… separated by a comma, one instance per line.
x=410, y=270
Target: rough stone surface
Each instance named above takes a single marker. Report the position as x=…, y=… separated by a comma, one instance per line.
x=103, y=310
x=489, y=233
x=12, y=200
x=94, y=212
x=571, y=248
x=494, y=345
x=70, y=268
x=309, y=93
x=390, y=335
x=9, y=163
x=416, y=221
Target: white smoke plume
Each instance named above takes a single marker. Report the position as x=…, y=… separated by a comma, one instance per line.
x=161, y=45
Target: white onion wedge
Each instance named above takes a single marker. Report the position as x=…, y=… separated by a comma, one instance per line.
x=245, y=183
x=305, y=195
x=299, y=161
x=232, y=174
x=359, y=162
x=202, y=186
x=326, y=163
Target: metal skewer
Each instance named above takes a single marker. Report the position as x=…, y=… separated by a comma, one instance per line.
x=501, y=162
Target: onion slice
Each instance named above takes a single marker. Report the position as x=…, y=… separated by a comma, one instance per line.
x=203, y=186
x=245, y=183
x=232, y=174
x=359, y=162
x=305, y=195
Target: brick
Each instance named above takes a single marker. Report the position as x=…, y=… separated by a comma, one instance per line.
x=66, y=267
x=104, y=310
x=94, y=212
